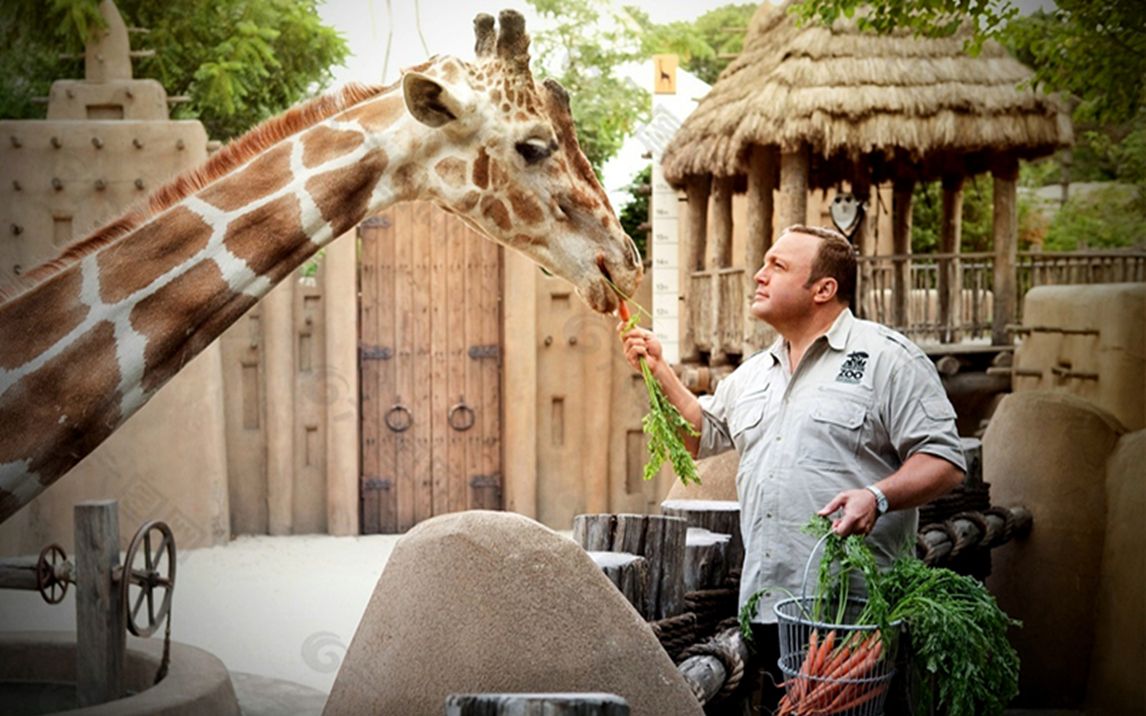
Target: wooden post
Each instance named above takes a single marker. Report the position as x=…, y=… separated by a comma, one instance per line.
x=278, y=307
x=950, y=270
x=705, y=559
x=864, y=238
x=697, y=190
x=706, y=674
x=519, y=376
x=586, y=704
x=628, y=572
x=660, y=540
x=901, y=239
x=721, y=259
x=101, y=633
x=1006, y=225
x=761, y=183
x=793, y=187
x=722, y=516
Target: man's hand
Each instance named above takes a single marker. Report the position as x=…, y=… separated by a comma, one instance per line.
x=859, y=512
x=639, y=343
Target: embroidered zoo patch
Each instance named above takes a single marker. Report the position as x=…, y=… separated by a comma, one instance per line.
x=852, y=369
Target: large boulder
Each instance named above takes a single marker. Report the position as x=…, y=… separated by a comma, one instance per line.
x=1116, y=683
x=495, y=602
x=1048, y=451
x=717, y=479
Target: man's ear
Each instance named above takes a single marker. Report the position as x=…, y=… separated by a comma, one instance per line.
x=826, y=290
x=431, y=102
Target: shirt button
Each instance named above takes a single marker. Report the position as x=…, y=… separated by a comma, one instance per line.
x=768, y=515
x=777, y=438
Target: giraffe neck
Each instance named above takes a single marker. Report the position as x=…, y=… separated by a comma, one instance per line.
x=87, y=347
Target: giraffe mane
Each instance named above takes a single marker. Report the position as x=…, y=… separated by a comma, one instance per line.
x=221, y=163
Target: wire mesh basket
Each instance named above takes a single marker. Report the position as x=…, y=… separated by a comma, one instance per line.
x=841, y=687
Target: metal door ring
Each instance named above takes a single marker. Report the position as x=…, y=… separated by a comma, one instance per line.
x=393, y=424
x=461, y=417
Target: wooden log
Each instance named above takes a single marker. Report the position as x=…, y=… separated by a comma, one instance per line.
x=628, y=572
x=950, y=273
x=659, y=539
x=793, y=187
x=696, y=233
x=705, y=559
x=973, y=456
x=18, y=573
x=570, y=704
x=730, y=313
x=901, y=246
x=762, y=169
x=702, y=309
x=101, y=633
x=722, y=222
x=722, y=516
x=706, y=674
x=1006, y=229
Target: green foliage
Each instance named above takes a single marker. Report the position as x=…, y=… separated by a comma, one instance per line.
x=703, y=44
x=581, y=45
x=978, y=216
x=636, y=211
x=239, y=61
x=1111, y=217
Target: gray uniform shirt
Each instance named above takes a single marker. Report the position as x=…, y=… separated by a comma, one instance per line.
x=862, y=401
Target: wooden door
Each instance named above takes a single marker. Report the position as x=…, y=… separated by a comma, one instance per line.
x=430, y=368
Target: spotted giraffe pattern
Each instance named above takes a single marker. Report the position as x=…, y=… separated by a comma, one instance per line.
x=88, y=345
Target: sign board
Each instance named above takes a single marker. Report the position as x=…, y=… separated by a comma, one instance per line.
x=664, y=74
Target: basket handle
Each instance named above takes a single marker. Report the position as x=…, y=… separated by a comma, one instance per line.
x=808, y=565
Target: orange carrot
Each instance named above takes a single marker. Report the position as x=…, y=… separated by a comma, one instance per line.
x=623, y=311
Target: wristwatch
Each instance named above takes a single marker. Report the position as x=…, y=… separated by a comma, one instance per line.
x=880, y=499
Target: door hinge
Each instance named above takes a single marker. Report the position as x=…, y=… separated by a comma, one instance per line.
x=374, y=484
x=374, y=353
x=493, y=480
x=486, y=351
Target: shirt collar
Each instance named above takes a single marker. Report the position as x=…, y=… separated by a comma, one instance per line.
x=837, y=337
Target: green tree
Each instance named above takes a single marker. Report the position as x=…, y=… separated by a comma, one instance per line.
x=636, y=211
x=705, y=45
x=581, y=44
x=239, y=61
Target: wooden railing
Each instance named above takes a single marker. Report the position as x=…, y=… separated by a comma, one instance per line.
x=949, y=297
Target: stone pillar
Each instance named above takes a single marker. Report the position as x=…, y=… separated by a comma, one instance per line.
x=901, y=240
x=950, y=269
x=1006, y=226
x=793, y=187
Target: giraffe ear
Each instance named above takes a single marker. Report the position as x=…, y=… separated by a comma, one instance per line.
x=431, y=102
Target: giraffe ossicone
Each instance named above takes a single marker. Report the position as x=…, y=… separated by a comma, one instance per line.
x=88, y=338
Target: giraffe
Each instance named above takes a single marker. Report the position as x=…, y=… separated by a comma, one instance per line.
x=88, y=338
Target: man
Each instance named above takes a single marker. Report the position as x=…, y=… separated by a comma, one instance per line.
x=838, y=417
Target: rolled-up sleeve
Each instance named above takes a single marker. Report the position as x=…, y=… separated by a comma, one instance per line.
x=714, y=435
x=920, y=418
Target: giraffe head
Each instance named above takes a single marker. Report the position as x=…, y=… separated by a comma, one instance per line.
x=507, y=161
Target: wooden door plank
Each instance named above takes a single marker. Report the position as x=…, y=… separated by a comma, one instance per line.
x=490, y=409
x=440, y=303
x=472, y=396
x=456, y=298
x=368, y=304
x=404, y=366
x=385, y=314
x=423, y=407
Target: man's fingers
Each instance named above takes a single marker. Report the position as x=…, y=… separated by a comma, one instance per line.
x=832, y=506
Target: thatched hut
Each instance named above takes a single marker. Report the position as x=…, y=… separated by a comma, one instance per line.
x=814, y=107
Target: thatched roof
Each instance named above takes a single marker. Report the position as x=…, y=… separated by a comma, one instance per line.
x=852, y=96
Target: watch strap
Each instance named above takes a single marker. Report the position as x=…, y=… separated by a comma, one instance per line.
x=880, y=499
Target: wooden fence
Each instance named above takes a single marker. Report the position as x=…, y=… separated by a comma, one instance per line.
x=949, y=297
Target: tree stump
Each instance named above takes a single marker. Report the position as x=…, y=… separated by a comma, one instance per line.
x=705, y=559
x=660, y=540
x=721, y=516
x=716, y=665
x=587, y=704
x=629, y=572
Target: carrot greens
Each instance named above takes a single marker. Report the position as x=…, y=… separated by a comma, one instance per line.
x=663, y=424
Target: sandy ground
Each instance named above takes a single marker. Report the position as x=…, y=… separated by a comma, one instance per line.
x=281, y=607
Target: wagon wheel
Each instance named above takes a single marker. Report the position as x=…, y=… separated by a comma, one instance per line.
x=51, y=587
x=144, y=579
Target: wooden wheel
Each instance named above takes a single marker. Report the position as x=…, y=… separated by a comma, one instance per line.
x=52, y=588
x=149, y=578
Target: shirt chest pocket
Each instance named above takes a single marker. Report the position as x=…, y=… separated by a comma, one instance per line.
x=835, y=429
x=747, y=416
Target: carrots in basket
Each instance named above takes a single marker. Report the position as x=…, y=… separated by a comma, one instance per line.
x=829, y=679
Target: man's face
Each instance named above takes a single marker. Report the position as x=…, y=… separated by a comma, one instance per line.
x=781, y=296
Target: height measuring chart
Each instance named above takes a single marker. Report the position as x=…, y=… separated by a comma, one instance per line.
x=665, y=238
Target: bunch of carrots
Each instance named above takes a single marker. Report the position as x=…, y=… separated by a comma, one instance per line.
x=663, y=423
x=830, y=679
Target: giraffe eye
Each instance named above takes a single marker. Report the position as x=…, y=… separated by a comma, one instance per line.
x=533, y=150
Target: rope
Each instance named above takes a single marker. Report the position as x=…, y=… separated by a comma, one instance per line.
x=729, y=659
